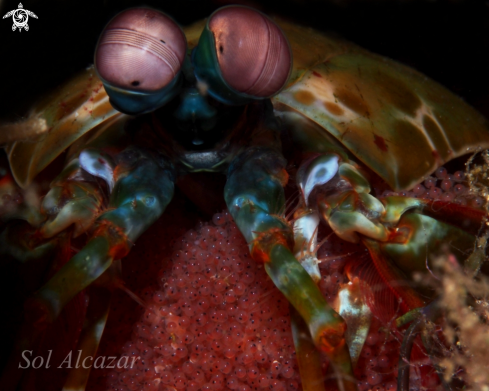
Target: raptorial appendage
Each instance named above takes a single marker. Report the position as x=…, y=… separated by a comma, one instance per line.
x=255, y=198
x=143, y=187
x=400, y=233
x=137, y=186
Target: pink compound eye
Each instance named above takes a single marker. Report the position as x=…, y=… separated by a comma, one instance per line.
x=140, y=50
x=253, y=54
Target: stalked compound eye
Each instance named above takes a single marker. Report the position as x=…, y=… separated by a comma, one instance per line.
x=138, y=57
x=242, y=55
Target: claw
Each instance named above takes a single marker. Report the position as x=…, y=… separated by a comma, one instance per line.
x=81, y=212
x=140, y=196
x=99, y=165
x=255, y=199
x=356, y=313
x=327, y=328
x=74, y=199
x=344, y=201
x=316, y=173
x=416, y=236
x=391, y=235
x=351, y=174
x=352, y=306
x=305, y=237
x=396, y=206
x=347, y=225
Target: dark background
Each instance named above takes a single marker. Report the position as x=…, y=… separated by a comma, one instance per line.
x=447, y=40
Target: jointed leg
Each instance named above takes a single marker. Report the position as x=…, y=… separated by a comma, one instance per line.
x=255, y=198
x=143, y=188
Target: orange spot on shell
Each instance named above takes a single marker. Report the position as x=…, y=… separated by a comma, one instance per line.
x=353, y=100
x=333, y=108
x=304, y=97
x=380, y=143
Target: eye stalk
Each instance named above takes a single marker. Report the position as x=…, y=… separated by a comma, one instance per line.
x=139, y=57
x=242, y=56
